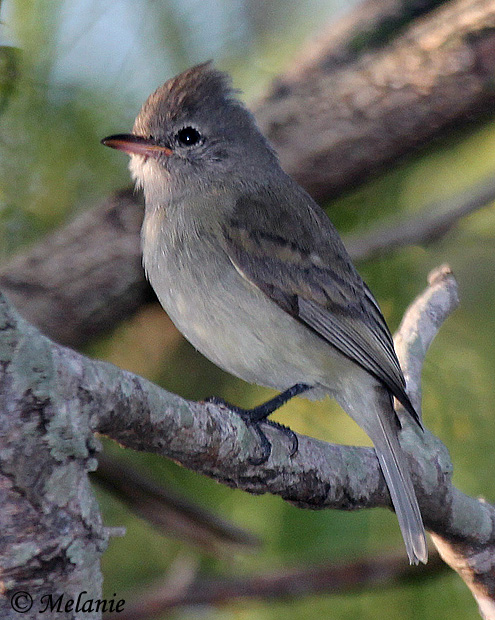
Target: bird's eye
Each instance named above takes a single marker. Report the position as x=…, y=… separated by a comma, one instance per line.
x=188, y=136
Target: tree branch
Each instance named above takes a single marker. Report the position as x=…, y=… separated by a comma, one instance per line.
x=215, y=442
x=420, y=325
x=365, y=114
x=287, y=584
x=86, y=277
x=431, y=224
x=52, y=534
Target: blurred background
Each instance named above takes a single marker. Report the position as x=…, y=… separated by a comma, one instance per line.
x=74, y=71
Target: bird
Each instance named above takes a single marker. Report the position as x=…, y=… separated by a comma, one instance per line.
x=254, y=274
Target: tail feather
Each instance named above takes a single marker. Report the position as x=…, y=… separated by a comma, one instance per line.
x=377, y=417
x=396, y=472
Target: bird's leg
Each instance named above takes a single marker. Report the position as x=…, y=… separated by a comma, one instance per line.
x=258, y=415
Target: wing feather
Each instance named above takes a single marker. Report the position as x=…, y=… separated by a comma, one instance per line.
x=314, y=280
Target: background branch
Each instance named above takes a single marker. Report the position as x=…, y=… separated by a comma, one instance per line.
x=83, y=279
x=431, y=224
x=370, y=25
x=283, y=584
x=171, y=513
x=436, y=74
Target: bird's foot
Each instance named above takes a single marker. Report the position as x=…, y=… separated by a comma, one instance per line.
x=254, y=418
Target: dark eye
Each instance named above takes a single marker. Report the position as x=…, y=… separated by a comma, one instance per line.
x=188, y=136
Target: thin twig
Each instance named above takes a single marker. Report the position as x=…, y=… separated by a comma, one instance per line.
x=171, y=513
x=332, y=578
x=430, y=225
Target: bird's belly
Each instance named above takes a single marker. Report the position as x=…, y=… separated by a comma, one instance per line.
x=241, y=330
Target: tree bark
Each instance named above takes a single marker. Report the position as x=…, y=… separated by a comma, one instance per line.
x=86, y=277
x=52, y=535
x=334, y=125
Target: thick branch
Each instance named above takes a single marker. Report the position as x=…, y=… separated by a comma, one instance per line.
x=334, y=125
x=368, y=26
x=84, y=278
x=52, y=535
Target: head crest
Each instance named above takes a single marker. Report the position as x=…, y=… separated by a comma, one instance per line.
x=200, y=87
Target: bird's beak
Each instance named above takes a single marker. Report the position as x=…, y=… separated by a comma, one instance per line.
x=136, y=145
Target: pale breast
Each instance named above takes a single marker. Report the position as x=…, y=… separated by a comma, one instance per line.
x=226, y=317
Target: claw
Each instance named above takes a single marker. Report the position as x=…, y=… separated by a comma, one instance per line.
x=289, y=433
x=265, y=445
x=250, y=417
x=259, y=415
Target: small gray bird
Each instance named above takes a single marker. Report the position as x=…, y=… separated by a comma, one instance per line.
x=253, y=273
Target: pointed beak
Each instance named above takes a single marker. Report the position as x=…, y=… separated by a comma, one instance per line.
x=136, y=145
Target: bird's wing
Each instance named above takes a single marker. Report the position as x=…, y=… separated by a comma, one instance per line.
x=310, y=276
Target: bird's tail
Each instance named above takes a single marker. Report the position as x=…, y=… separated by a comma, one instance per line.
x=396, y=472
x=381, y=427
